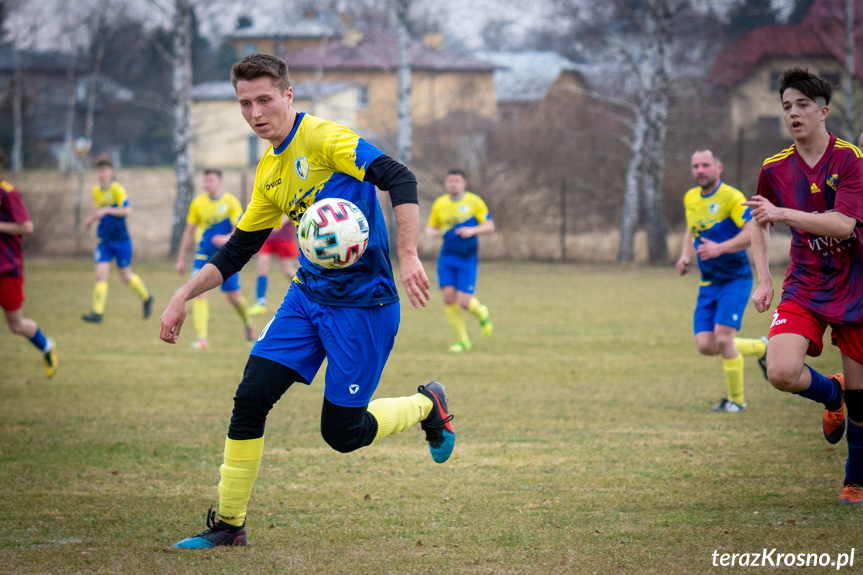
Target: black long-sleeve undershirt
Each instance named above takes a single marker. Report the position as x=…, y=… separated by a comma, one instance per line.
x=384, y=173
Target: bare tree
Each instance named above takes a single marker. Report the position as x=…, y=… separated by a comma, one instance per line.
x=184, y=163
x=848, y=76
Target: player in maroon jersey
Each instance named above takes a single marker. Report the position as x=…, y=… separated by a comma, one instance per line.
x=815, y=187
x=14, y=223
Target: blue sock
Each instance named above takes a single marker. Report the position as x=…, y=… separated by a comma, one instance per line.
x=822, y=389
x=261, y=291
x=39, y=340
x=854, y=466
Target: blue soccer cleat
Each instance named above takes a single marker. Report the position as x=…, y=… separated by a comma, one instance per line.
x=438, y=424
x=218, y=534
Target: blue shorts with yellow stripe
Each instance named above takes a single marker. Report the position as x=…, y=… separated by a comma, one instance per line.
x=356, y=342
x=459, y=272
x=722, y=304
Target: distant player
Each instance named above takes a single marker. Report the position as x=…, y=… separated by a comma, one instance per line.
x=283, y=243
x=460, y=216
x=211, y=221
x=112, y=208
x=717, y=232
x=815, y=187
x=14, y=223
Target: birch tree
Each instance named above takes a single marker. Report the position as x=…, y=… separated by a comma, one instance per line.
x=181, y=84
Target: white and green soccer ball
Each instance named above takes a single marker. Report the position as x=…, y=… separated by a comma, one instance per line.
x=333, y=233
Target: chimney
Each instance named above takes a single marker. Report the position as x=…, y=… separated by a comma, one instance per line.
x=433, y=41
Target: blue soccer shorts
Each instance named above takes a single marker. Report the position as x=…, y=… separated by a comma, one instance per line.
x=230, y=284
x=356, y=342
x=722, y=304
x=114, y=250
x=458, y=272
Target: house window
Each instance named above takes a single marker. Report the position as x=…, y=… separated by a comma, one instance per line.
x=768, y=127
x=774, y=81
x=362, y=97
x=250, y=48
x=832, y=78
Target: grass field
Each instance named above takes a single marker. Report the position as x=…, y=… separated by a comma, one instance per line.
x=585, y=444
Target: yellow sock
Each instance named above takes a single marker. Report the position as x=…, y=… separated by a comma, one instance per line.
x=242, y=461
x=201, y=316
x=139, y=288
x=243, y=312
x=396, y=414
x=474, y=308
x=100, y=297
x=734, y=378
x=749, y=346
x=456, y=320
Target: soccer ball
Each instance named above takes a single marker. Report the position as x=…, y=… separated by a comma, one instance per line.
x=333, y=233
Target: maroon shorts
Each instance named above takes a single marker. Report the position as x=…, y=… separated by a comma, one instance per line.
x=282, y=249
x=791, y=317
x=11, y=293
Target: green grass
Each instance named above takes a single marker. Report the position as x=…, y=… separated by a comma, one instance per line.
x=585, y=444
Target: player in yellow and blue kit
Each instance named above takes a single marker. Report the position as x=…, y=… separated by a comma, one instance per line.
x=348, y=316
x=459, y=217
x=717, y=229
x=211, y=221
x=112, y=208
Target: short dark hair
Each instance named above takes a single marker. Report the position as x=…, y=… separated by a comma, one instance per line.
x=103, y=160
x=812, y=86
x=712, y=152
x=254, y=66
x=209, y=171
x=456, y=172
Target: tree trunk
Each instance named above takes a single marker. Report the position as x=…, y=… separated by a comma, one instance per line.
x=657, y=128
x=17, y=114
x=405, y=126
x=184, y=163
x=631, y=195
x=848, y=77
x=68, y=134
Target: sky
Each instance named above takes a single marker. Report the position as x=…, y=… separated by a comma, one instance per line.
x=40, y=24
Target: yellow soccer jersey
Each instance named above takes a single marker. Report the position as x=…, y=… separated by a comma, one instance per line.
x=213, y=217
x=321, y=159
x=448, y=215
x=718, y=217
x=111, y=228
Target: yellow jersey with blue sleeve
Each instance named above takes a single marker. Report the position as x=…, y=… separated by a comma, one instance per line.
x=322, y=159
x=718, y=216
x=111, y=228
x=447, y=215
x=213, y=217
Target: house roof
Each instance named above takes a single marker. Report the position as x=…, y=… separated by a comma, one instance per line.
x=525, y=76
x=378, y=50
x=209, y=91
x=821, y=34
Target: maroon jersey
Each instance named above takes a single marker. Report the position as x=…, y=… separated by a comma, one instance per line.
x=12, y=209
x=286, y=233
x=826, y=274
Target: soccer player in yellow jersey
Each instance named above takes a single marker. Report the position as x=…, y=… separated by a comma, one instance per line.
x=349, y=316
x=459, y=216
x=112, y=208
x=717, y=231
x=211, y=221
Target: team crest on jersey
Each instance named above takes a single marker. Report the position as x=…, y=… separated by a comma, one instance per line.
x=814, y=189
x=714, y=208
x=833, y=181
x=223, y=208
x=301, y=165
